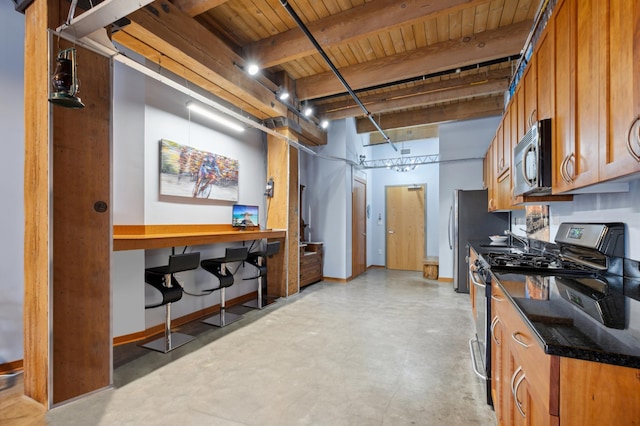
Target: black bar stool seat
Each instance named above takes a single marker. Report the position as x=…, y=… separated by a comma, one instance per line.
x=162, y=279
x=218, y=267
x=259, y=260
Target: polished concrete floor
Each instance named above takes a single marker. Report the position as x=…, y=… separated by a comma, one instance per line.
x=388, y=348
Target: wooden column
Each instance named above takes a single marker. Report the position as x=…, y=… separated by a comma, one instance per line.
x=67, y=315
x=282, y=209
x=36, y=203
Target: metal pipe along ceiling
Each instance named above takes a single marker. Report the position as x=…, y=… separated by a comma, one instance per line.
x=320, y=50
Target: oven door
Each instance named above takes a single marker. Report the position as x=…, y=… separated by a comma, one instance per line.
x=479, y=348
x=479, y=343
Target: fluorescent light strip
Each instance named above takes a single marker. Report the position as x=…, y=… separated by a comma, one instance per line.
x=214, y=117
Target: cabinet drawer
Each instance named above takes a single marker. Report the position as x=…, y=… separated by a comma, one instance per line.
x=541, y=370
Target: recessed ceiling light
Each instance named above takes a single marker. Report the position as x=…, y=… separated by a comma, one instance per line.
x=253, y=69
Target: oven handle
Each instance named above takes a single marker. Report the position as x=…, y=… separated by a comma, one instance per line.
x=529, y=182
x=473, y=359
x=473, y=280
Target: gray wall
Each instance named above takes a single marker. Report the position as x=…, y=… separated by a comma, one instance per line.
x=463, y=144
x=11, y=182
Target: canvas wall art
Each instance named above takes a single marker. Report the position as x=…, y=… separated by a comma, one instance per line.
x=193, y=173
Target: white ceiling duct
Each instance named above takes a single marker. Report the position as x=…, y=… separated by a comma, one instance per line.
x=98, y=17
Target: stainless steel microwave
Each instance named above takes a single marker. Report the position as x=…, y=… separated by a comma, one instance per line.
x=532, y=161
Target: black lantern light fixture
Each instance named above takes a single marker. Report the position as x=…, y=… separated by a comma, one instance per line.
x=65, y=81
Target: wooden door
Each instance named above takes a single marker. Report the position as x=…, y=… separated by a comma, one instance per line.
x=81, y=239
x=405, y=227
x=359, y=228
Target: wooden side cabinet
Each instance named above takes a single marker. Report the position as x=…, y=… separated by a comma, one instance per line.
x=310, y=263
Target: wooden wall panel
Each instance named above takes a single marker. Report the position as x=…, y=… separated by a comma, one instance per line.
x=81, y=252
x=293, y=231
x=277, y=213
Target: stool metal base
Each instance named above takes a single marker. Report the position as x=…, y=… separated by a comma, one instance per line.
x=256, y=305
x=168, y=343
x=222, y=319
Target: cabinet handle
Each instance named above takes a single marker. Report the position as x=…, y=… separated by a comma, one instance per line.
x=497, y=298
x=571, y=176
x=629, y=143
x=495, y=322
x=564, y=169
x=531, y=117
x=515, y=335
x=515, y=396
x=562, y=175
x=513, y=379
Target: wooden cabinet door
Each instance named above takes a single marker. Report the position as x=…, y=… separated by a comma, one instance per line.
x=528, y=115
x=489, y=161
x=578, y=93
x=564, y=102
x=620, y=149
x=545, y=70
x=504, y=138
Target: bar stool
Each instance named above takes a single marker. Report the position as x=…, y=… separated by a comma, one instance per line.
x=218, y=267
x=259, y=260
x=162, y=279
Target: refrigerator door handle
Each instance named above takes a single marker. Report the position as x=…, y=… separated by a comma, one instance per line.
x=450, y=225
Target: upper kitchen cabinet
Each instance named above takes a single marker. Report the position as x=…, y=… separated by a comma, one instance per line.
x=502, y=149
x=544, y=76
x=578, y=92
x=620, y=151
x=529, y=113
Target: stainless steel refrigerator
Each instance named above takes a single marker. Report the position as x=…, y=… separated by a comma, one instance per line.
x=469, y=220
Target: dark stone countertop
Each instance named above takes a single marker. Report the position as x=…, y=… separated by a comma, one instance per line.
x=562, y=314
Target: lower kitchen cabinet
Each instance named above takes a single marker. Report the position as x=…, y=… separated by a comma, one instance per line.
x=530, y=387
x=525, y=378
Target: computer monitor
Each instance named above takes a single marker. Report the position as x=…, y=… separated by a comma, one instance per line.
x=243, y=216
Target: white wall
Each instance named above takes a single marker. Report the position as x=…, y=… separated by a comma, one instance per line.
x=615, y=207
x=463, y=144
x=11, y=183
x=148, y=111
x=427, y=175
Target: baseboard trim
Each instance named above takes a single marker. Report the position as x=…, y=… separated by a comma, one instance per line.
x=177, y=322
x=12, y=367
x=445, y=279
x=335, y=280
x=376, y=266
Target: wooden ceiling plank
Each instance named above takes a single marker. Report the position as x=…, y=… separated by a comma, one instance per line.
x=179, y=37
x=439, y=57
x=196, y=7
x=481, y=19
x=476, y=108
x=425, y=99
x=348, y=26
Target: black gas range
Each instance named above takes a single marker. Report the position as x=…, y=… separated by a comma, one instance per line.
x=583, y=279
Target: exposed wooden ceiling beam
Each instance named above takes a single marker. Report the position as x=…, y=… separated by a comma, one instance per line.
x=347, y=26
x=180, y=39
x=196, y=7
x=465, y=110
x=475, y=85
x=468, y=50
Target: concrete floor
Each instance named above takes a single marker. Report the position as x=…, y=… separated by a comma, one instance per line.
x=388, y=348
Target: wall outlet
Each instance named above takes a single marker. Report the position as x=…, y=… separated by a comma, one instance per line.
x=379, y=251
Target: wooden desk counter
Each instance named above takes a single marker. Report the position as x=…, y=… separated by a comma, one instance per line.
x=142, y=237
